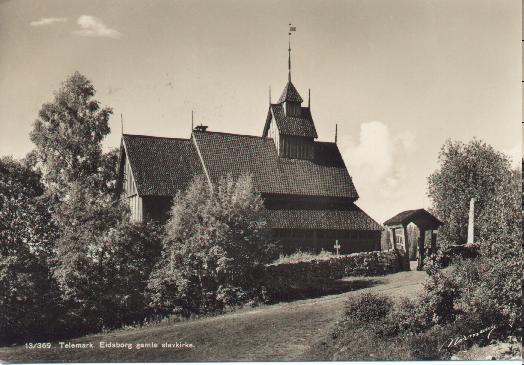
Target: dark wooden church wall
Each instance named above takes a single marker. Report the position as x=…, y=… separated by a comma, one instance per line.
x=157, y=208
x=317, y=240
x=296, y=147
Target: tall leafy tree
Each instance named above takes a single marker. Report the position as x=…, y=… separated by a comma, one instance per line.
x=490, y=286
x=79, y=179
x=68, y=136
x=471, y=170
x=28, y=293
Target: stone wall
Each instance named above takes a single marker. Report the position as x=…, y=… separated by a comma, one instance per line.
x=356, y=264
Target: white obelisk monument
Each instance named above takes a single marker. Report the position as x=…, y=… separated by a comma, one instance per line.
x=471, y=220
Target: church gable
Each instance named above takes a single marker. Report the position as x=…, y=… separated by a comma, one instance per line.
x=160, y=166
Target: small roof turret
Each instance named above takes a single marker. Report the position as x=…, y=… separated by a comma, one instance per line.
x=290, y=93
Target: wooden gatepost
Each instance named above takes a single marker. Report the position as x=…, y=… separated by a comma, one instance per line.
x=425, y=221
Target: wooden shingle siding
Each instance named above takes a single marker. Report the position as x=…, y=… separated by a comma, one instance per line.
x=129, y=181
x=161, y=166
x=290, y=93
x=351, y=218
x=225, y=153
x=293, y=125
x=135, y=203
x=130, y=193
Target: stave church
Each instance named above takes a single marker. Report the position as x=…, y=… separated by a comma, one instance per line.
x=307, y=189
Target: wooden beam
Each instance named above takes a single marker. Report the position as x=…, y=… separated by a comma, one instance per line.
x=433, y=248
x=421, y=250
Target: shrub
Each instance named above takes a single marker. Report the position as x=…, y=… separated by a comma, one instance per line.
x=104, y=263
x=368, y=307
x=428, y=345
x=215, y=248
x=408, y=316
x=440, y=293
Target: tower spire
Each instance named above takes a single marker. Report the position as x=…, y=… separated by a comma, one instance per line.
x=291, y=29
x=289, y=56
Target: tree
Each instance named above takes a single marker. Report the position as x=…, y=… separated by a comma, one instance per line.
x=68, y=135
x=104, y=262
x=216, y=243
x=28, y=292
x=472, y=170
x=488, y=288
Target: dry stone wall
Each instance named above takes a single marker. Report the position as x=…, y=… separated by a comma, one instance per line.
x=357, y=264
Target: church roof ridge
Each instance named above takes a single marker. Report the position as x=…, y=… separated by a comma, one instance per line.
x=231, y=134
x=159, y=137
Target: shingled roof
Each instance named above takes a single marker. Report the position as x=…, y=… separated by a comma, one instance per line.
x=294, y=126
x=161, y=166
x=290, y=93
x=351, y=219
x=234, y=154
x=417, y=216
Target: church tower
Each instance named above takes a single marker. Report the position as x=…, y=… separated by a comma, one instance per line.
x=290, y=124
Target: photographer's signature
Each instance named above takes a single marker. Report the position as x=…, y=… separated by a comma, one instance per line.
x=461, y=339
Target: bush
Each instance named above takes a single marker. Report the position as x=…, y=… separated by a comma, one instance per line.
x=104, y=263
x=408, y=316
x=428, y=345
x=489, y=292
x=440, y=294
x=216, y=246
x=367, y=308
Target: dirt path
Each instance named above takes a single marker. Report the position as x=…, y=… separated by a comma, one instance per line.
x=277, y=332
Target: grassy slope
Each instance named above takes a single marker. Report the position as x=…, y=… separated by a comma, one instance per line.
x=277, y=332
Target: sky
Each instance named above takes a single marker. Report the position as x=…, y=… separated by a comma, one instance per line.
x=398, y=77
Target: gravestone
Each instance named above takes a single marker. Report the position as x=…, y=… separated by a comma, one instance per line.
x=471, y=221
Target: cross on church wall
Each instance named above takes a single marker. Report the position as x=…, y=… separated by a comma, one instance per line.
x=336, y=247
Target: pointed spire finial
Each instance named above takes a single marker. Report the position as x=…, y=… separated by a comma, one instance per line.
x=269, y=94
x=289, y=58
x=336, y=132
x=192, y=121
x=122, y=123
x=291, y=29
x=309, y=98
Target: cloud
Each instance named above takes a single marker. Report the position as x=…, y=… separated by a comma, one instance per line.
x=376, y=159
x=47, y=21
x=93, y=27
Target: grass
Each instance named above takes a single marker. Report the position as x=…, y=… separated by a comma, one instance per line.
x=300, y=256
x=351, y=342
x=283, y=331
